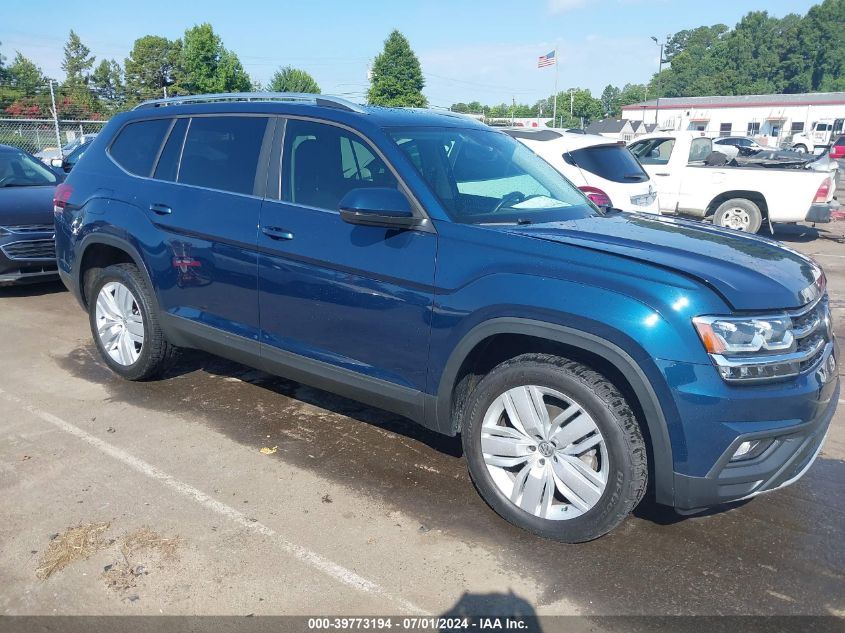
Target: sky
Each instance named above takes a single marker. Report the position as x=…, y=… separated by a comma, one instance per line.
x=468, y=50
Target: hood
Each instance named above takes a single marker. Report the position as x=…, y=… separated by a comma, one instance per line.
x=26, y=205
x=749, y=272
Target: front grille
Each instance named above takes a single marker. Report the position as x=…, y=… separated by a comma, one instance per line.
x=813, y=330
x=24, y=229
x=30, y=250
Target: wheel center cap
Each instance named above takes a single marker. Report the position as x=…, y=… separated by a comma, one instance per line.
x=546, y=449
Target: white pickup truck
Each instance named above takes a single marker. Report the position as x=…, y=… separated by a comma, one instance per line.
x=738, y=197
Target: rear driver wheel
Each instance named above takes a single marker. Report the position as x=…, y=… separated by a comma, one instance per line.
x=125, y=326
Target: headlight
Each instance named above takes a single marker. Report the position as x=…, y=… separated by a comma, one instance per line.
x=747, y=335
x=767, y=347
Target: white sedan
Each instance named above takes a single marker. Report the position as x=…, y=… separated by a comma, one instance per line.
x=604, y=170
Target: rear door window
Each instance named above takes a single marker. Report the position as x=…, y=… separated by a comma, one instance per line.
x=137, y=144
x=222, y=152
x=611, y=162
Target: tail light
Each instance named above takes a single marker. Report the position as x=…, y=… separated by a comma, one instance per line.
x=61, y=197
x=821, y=194
x=599, y=197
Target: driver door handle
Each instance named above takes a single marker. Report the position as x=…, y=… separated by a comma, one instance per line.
x=276, y=233
x=160, y=209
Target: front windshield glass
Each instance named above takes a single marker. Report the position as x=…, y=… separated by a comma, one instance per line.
x=20, y=170
x=486, y=177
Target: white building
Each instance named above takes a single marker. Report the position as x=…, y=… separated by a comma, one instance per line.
x=772, y=119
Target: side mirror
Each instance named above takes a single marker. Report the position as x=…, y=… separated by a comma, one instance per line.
x=378, y=206
x=56, y=162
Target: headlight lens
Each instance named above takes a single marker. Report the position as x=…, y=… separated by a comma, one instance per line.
x=749, y=335
x=767, y=347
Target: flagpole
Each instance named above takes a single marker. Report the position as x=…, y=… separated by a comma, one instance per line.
x=554, y=108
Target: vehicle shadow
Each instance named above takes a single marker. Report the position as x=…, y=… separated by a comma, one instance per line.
x=804, y=233
x=32, y=289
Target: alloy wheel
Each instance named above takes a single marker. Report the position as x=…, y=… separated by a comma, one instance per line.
x=120, y=324
x=544, y=452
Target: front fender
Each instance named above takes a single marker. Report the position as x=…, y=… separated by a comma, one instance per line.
x=641, y=373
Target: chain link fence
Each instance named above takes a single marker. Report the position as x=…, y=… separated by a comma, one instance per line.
x=48, y=120
x=41, y=136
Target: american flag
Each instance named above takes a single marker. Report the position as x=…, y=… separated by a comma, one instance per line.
x=547, y=60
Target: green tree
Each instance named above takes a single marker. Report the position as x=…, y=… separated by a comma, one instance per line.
x=77, y=62
x=397, y=78
x=610, y=100
x=107, y=81
x=153, y=65
x=208, y=65
x=25, y=75
x=289, y=79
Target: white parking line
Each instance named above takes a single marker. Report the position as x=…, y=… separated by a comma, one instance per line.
x=303, y=554
x=827, y=255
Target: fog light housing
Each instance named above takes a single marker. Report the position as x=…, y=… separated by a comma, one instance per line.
x=750, y=449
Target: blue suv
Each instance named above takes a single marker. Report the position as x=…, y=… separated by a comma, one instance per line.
x=429, y=265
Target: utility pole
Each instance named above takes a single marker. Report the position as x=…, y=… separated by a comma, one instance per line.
x=659, y=70
x=56, y=119
x=554, y=107
x=513, y=110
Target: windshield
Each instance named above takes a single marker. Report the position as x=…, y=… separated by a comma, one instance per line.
x=486, y=177
x=20, y=170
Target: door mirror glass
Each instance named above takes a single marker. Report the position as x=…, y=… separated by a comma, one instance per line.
x=377, y=206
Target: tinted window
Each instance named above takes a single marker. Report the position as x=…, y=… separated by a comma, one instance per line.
x=136, y=146
x=168, y=162
x=611, y=162
x=654, y=151
x=221, y=152
x=323, y=163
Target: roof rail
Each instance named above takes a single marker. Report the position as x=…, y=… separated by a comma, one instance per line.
x=297, y=97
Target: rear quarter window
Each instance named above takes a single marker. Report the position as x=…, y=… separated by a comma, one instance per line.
x=137, y=144
x=611, y=162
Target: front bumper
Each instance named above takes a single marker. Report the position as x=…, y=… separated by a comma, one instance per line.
x=27, y=257
x=790, y=456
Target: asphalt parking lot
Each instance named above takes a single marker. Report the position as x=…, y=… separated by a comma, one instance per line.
x=347, y=509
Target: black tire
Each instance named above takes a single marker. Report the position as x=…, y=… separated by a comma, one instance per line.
x=800, y=148
x=156, y=353
x=730, y=209
x=628, y=469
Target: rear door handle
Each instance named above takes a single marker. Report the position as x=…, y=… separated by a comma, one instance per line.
x=662, y=173
x=161, y=209
x=276, y=233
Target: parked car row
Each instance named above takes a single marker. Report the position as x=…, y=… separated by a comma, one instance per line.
x=48, y=156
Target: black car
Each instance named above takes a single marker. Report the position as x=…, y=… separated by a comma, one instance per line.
x=27, y=242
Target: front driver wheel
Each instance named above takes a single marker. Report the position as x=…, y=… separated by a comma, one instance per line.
x=554, y=448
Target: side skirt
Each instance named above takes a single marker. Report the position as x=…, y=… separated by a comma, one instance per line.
x=385, y=395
